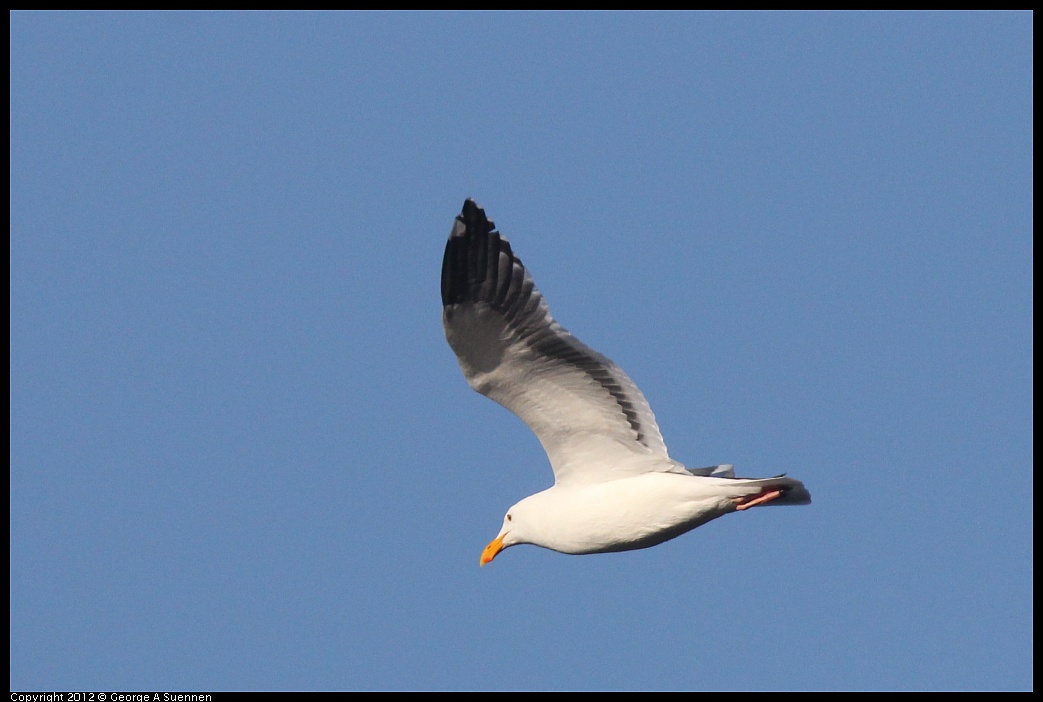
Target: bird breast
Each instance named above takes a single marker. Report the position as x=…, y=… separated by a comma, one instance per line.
x=624, y=514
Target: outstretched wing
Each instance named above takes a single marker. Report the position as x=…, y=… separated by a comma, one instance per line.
x=592, y=420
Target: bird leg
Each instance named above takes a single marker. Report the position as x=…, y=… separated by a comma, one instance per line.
x=754, y=500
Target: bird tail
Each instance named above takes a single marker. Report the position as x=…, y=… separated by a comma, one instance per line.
x=793, y=491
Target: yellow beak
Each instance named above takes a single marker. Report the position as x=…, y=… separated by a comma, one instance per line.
x=491, y=550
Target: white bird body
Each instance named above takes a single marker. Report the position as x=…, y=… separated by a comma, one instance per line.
x=624, y=514
x=615, y=488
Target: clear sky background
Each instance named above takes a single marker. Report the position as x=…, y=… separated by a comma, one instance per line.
x=244, y=457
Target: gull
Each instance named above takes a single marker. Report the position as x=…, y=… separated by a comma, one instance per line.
x=615, y=487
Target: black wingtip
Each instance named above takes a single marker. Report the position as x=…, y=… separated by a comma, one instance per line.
x=474, y=220
x=470, y=267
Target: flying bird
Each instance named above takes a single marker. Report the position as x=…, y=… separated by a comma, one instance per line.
x=615, y=487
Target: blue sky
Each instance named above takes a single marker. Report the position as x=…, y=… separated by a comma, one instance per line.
x=244, y=457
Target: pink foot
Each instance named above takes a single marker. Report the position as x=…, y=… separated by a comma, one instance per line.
x=747, y=502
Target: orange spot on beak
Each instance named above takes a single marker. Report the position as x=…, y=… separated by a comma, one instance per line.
x=494, y=547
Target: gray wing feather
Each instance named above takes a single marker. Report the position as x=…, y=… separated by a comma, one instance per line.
x=580, y=404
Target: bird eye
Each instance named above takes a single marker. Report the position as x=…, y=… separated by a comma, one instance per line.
x=508, y=517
